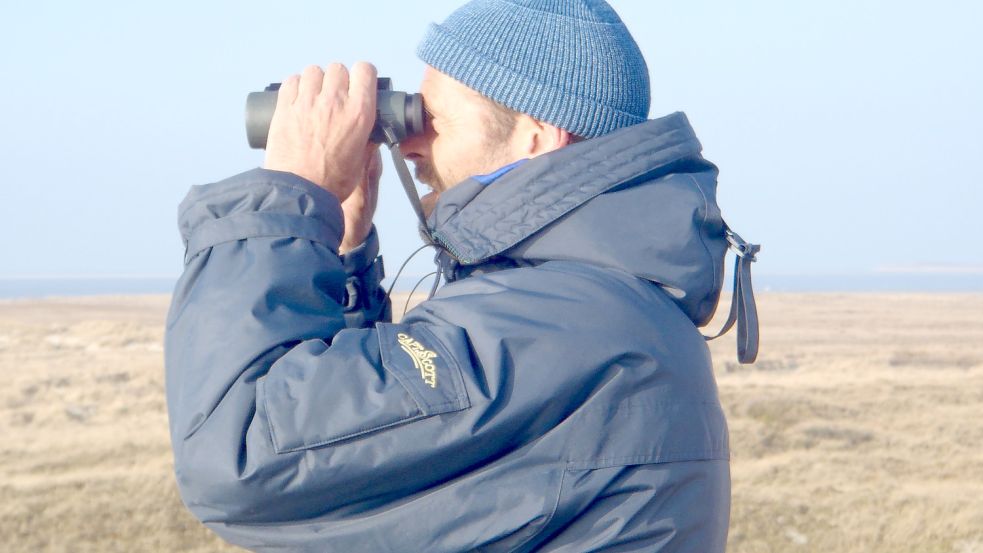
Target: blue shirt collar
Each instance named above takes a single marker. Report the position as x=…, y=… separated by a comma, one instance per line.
x=493, y=176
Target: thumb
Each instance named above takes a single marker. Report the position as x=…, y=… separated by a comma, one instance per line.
x=373, y=168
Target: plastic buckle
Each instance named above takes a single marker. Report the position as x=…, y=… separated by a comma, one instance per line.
x=741, y=247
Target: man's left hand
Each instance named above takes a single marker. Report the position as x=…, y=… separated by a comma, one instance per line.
x=360, y=206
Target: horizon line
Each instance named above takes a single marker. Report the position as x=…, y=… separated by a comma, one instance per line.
x=926, y=269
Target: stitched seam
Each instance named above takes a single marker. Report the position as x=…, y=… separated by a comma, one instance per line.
x=357, y=432
x=223, y=192
x=383, y=357
x=674, y=456
x=555, y=214
x=703, y=224
x=452, y=364
x=587, y=164
x=269, y=419
x=743, y=305
x=259, y=235
x=546, y=523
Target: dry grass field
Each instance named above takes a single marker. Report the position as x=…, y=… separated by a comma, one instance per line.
x=858, y=430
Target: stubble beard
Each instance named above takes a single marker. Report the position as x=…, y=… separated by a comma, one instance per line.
x=425, y=173
x=496, y=148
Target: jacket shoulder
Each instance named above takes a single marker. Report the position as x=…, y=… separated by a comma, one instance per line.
x=569, y=298
x=627, y=367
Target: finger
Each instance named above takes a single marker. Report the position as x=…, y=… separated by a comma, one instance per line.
x=287, y=92
x=362, y=92
x=310, y=84
x=373, y=168
x=335, y=81
x=363, y=85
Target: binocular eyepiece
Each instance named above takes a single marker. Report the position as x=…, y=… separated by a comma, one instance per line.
x=398, y=114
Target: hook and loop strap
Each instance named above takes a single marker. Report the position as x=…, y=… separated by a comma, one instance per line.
x=743, y=310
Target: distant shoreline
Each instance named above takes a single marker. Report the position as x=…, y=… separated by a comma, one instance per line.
x=41, y=287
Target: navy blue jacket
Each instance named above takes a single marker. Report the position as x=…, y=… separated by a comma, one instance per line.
x=555, y=395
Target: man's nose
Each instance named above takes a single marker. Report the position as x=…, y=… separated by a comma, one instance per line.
x=417, y=145
x=410, y=146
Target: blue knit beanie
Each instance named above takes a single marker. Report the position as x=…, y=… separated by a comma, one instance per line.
x=571, y=63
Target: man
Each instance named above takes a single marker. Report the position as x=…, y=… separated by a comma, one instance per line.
x=555, y=395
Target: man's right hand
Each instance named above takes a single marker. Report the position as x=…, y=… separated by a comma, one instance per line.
x=321, y=126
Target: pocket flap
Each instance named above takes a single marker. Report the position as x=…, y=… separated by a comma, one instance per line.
x=424, y=366
x=366, y=381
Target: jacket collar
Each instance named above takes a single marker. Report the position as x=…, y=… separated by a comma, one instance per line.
x=475, y=222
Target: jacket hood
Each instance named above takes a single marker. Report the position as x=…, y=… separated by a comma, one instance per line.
x=641, y=199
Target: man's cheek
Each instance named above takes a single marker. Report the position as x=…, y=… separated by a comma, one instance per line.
x=423, y=172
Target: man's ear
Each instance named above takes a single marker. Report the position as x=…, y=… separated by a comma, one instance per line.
x=535, y=138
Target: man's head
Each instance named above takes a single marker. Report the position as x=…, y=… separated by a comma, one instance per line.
x=467, y=134
x=512, y=79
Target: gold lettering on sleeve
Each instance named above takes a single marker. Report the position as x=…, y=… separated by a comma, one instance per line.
x=422, y=358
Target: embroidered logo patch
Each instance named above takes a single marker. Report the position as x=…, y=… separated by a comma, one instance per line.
x=422, y=358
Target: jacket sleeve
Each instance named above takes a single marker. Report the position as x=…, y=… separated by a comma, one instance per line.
x=269, y=394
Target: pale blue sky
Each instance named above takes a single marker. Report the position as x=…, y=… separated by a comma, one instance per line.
x=848, y=134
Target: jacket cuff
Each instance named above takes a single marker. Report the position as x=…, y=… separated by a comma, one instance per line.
x=259, y=203
x=365, y=302
x=361, y=258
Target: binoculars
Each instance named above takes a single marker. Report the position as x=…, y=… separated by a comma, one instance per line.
x=398, y=114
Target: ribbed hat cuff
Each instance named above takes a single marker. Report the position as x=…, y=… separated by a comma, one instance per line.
x=577, y=115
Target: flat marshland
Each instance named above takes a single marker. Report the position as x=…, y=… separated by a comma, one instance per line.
x=858, y=430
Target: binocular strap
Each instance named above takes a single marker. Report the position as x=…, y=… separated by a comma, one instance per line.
x=742, y=307
x=406, y=179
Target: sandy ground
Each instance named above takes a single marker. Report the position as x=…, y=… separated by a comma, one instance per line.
x=858, y=430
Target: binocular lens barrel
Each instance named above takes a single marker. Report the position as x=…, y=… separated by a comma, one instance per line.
x=398, y=112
